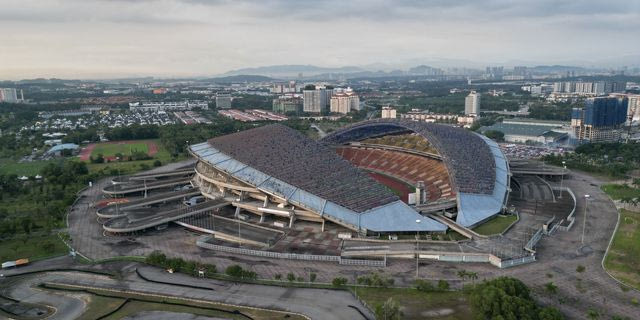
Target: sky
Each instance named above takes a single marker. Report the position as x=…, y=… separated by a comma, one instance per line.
x=176, y=38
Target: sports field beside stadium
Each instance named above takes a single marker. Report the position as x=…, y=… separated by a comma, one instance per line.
x=109, y=150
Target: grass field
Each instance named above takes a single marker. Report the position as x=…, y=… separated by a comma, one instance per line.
x=129, y=167
x=29, y=169
x=124, y=148
x=31, y=247
x=496, y=225
x=102, y=302
x=619, y=191
x=623, y=260
x=414, y=304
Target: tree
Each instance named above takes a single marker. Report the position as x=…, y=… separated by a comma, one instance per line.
x=580, y=268
x=312, y=277
x=291, y=277
x=48, y=247
x=26, y=224
x=473, y=276
x=463, y=275
x=494, y=135
x=339, y=282
x=443, y=285
x=389, y=310
x=593, y=314
x=550, y=287
x=277, y=276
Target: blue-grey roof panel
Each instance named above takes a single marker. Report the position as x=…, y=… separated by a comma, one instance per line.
x=278, y=187
x=231, y=165
x=216, y=158
x=397, y=217
x=251, y=176
x=474, y=208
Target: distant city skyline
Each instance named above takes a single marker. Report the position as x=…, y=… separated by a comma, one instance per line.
x=84, y=39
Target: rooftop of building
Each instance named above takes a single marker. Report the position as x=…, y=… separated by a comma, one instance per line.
x=519, y=129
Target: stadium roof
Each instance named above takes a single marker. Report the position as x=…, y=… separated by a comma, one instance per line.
x=281, y=161
x=467, y=157
x=64, y=146
x=477, y=168
x=286, y=154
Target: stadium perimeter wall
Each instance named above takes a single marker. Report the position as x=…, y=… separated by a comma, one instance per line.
x=440, y=256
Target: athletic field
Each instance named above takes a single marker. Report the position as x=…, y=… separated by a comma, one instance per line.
x=126, y=148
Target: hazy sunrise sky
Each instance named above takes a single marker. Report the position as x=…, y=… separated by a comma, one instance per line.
x=117, y=38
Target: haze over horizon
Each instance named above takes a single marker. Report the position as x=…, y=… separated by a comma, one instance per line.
x=181, y=38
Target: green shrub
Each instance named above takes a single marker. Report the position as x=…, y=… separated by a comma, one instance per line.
x=443, y=285
x=339, y=282
x=291, y=277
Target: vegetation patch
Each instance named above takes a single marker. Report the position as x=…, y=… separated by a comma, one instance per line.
x=623, y=259
x=415, y=304
x=33, y=247
x=621, y=191
x=496, y=225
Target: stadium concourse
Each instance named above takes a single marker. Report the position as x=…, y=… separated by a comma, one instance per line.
x=275, y=171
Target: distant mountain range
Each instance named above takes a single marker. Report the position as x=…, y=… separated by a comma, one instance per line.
x=293, y=71
x=238, y=78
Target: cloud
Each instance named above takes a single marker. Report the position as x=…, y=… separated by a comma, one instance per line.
x=200, y=37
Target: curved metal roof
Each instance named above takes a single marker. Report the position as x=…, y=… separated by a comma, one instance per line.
x=478, y=169
x=468, y=158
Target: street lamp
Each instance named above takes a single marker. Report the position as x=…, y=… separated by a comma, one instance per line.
x=417, y=246
x=564, y=171
x=584, y=223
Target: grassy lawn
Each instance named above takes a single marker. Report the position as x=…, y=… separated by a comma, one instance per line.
x=619, y=191
x=10, y=166
x=108, y=301
x=496, y=225
x=623, y=260
x=124, y=148
x=129, y=167
x=31, y=247
x=414, y=304
x=98, y=306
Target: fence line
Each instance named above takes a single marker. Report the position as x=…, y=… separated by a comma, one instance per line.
x=202, y=242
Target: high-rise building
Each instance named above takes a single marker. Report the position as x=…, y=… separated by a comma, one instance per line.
x=288, y=104
x=344, y=101
x=472, y=103
x=600, y=120
x=315, y=100
x=388, y=112
x=8, y=95
x=223, y=101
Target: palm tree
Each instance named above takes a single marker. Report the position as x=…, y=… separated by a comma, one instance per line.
x=473, y=276
x=463, y=275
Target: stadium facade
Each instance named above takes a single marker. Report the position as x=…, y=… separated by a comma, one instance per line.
x=275, y=170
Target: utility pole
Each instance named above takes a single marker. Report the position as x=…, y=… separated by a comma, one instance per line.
x=564, y=171
x=417, y=248
x=584, y=223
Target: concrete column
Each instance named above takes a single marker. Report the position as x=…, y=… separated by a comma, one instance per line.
x=262, y=218
x=292, y=218
x=323, y=220
x=237, y=212
x=266, y=202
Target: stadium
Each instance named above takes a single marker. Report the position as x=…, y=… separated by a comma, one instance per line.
x=374, y=177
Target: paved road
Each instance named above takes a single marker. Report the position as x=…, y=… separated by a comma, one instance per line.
x=558, y=256
x=66, y=306
x=315, y=303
